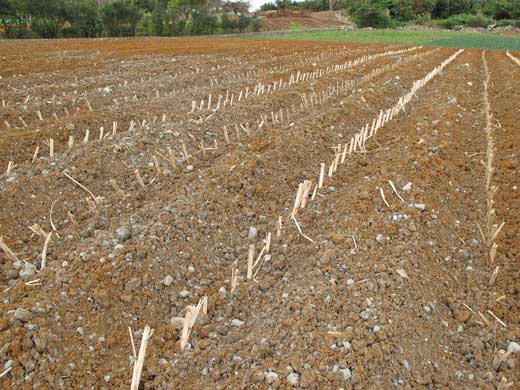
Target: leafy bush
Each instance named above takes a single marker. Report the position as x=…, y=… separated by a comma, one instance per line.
x=369, y=15
x=465, y=20
x=46, y=28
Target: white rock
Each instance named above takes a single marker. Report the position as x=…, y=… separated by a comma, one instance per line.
x=253, y=233
x=184, y=294
x=270, y=376
x=407, y=186
x=236, y=322
x=293, y=379
x=346, y=374
x=513, y=347
x=168, y=280
x=28, y=270
x=22, y=314
x=223, y=292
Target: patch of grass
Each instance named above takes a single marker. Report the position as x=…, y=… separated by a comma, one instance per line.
x=426, y=38
x=296, y=27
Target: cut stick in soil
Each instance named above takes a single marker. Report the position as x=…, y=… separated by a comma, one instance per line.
x=8, y=252
x=50, y=216
x=139, y=178
x=395, y=190
x=234, y=279
x=157, y=166
x=51, y=148
x=85, y=139
x=5, y=372
x=132, y=342
x=250, y=256
x=81, y=186
x=305, y=196
x=497, y=319
x=300, y=231
x=10, y=167
x=298, y=199
x=72, y=219
x=268, y=242
x=44, y=250
x=383, y=196
x=37, y=229
x=493, y=252
x=35, y=154
x=322, y=175
x=493, y=277
x=279, y=227
x=138, y=365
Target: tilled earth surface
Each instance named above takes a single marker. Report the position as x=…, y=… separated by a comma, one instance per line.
x=384, y=293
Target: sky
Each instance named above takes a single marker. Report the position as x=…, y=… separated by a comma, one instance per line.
x=255, y=4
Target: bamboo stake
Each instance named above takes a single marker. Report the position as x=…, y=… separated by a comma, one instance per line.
x=35, y=155
x=322, y=175
x=138, y=365
x=250, y=256
x=139, y=178
x=44, y=250
x=81, y=186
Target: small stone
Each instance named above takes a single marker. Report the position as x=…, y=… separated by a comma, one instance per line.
x=122, y=233
x=350, y=282
x=222, y=291
x=236, y=322
x=28, y=270
x=253, y=233
x=168, y=280
x=376, y=329
x=515, y=347
x=184, y=294
x=270, y=376
x=107, y=378
x=380, y=238
x=191, y=269
x=418, y=206
x=22, y=314
x=346, y=374
x=461, y=315
x=189, y=168
x=293, y=379
x=70, y=126
x=80, y=331
x=407, y=186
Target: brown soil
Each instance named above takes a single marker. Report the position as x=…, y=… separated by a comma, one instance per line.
x=325, y=19
x=387, y=297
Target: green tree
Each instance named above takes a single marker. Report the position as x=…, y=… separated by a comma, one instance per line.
x=120, y=17
x=84, y=17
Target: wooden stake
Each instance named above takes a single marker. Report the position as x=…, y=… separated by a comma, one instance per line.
x=138, y=365
x=139, y=178
x=250, y=257
x=322, y=175
x=44, y=250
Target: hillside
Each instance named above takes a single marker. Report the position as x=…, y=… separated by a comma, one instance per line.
x=274, y=21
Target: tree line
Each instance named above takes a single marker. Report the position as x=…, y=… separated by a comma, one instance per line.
x=392, y=13
x=119, y=18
